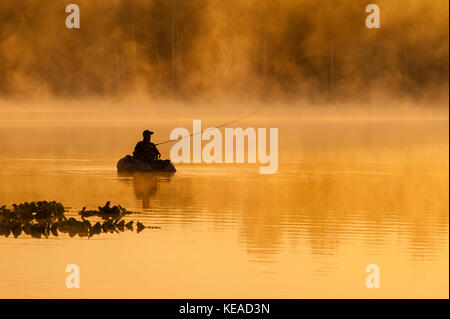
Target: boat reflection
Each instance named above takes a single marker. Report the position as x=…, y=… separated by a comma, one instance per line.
x=146, y=185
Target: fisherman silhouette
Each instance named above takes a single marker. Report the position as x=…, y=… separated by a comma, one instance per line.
x=146, y=158
x=145, y=150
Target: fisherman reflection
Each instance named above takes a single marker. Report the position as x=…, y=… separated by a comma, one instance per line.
x=146, y=186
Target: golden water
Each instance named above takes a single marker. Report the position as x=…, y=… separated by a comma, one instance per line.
x=347, y=194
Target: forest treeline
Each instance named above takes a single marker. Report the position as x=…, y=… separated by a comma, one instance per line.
x=180, y=48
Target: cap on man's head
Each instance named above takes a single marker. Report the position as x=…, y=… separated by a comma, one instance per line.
x=147, y=132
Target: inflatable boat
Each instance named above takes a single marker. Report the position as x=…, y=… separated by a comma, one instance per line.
x=129, y=164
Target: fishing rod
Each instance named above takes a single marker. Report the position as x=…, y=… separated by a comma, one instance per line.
x=222, y=125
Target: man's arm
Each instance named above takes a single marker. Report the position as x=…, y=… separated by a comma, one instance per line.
x=158, y=154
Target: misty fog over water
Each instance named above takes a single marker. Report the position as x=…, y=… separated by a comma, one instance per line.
x=319, y=51
x=362, y=119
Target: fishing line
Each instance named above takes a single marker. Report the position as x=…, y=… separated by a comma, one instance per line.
x=222, y=125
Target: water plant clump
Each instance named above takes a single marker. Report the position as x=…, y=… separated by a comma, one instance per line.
x=42, y=219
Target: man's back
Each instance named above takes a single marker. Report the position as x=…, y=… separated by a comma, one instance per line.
x=146, y=151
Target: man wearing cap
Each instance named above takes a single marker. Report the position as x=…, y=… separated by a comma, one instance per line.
x=145, y=150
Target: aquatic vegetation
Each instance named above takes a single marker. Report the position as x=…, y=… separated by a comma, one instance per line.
x=42, y=219
x=106, y=212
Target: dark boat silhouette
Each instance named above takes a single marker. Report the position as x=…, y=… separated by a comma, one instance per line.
x=129, y=164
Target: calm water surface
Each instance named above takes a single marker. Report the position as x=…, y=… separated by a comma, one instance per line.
x=347, y=194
